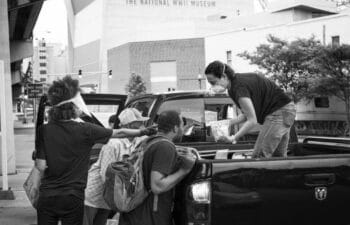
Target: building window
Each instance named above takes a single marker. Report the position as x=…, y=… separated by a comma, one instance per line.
x=229, y=57
x=335, y=41
x=321, y=102
x=42, y=44
x=42, y=64
x=43, y=72
x=42, y=51
x=42, y=57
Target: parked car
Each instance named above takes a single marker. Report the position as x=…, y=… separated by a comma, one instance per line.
x=311, y=186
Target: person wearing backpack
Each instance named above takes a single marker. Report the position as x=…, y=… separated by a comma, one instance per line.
x=163, y=168
x=63, y=154
x=96, y=210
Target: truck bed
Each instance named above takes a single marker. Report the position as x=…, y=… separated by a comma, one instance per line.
x=309, y=187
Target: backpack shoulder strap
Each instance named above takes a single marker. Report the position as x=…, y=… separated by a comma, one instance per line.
x=155, y=139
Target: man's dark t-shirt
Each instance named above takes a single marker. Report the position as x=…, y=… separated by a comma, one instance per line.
x=266, y=96
x=161, y=157
x=66, y=148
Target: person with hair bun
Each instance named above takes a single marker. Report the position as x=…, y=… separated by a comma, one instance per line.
x=63, y=154
x=261, y=101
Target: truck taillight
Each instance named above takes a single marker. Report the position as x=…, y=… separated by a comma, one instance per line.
x=198, y=204
x=200, y=192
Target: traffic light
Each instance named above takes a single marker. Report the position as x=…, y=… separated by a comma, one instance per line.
x=110, y=74
x=80, y=73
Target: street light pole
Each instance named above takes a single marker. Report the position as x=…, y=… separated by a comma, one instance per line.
x=200, y=78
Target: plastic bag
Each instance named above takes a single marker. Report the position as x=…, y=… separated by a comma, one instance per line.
x=220, y=128
x=31, y=186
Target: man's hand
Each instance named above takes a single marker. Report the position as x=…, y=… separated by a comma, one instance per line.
x=187, y=162
x=152, y=130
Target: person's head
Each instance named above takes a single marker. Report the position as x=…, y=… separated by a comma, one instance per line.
x=170, y=123
x=62, y=90
x=132, y=118
x=111, y=121
x=219, y=75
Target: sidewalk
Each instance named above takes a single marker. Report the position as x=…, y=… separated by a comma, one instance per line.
x=16, y=184
x=18, y=211
x=20, y=125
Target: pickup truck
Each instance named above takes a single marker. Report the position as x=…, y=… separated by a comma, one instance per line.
x=311, y=186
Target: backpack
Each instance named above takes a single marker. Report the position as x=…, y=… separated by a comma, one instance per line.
x=124, y=187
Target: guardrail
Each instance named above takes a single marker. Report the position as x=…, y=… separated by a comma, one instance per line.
x=224, y=154
x=327, y=141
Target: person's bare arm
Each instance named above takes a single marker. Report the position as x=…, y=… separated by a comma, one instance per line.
x=248, y=110
x=161, y=183
x=41, y=165
x=240, y=119
x=122, y=133
x=248, y=116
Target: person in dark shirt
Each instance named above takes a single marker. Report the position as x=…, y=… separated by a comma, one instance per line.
x=163, y=168
x=261, y=101
x=63, y=154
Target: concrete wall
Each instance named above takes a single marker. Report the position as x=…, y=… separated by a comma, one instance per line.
x=116, y=22
x=299, y=15
x=86, y=58
x=79, y=5
x=5, y=56
x=119, y=63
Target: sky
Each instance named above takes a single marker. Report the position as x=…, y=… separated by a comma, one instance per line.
x=52, y=22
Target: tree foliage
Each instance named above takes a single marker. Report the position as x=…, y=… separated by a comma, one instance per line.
x=136, y=85
x=287, y=63
x=333, y=66
x=306, y=68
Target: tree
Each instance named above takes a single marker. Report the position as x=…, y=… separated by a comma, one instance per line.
x=287, y=63
x=333, y=65
x=341, y=2
x=136, y=85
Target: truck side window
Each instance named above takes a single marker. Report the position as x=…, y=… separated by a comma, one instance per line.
x=144, y=105
x=192, y=110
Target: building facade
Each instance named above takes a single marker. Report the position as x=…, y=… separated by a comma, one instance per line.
x=49, y=60
x=98, y=25
x=294, y=21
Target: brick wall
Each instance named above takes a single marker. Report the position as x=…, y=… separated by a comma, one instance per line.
x=188, y=53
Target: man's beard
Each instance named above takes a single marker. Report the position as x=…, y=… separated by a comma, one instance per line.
x=178, y=138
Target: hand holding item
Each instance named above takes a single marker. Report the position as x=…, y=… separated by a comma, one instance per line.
x=187, y=162
x=152, y=130
x=187, y=158
x=227, y=139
